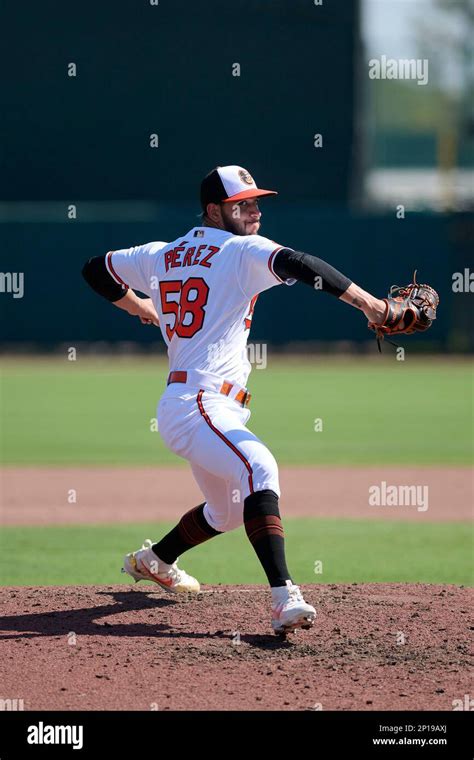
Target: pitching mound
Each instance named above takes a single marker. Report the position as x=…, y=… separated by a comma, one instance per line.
x=374, y=647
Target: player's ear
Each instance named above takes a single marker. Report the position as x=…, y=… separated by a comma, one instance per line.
x=213, y=211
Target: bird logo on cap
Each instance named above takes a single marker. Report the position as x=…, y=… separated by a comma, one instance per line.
x=245, y=177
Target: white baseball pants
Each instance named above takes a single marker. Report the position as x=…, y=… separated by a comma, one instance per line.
x=228, y=461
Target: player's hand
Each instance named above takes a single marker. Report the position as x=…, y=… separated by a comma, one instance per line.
x=147, y=312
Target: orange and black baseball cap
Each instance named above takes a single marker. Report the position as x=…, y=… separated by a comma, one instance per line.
x=229, y=183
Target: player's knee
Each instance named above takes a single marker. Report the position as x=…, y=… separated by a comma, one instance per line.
x=261, y=503
x=265, y=475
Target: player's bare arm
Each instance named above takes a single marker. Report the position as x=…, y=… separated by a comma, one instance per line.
x=138, y=307
x=373, y=308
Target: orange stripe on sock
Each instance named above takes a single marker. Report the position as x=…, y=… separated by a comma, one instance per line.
x=264, y=525
x=190, y=530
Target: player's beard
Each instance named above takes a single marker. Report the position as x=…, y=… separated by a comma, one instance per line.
x=237, y=227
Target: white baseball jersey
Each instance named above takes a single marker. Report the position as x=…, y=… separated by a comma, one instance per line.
x=204, y=286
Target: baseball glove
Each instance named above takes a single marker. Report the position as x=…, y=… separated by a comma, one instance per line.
x=408, y=309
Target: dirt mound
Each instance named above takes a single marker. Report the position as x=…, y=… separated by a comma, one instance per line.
x=374, y=647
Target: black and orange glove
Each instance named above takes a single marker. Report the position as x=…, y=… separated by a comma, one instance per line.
x=408, y=309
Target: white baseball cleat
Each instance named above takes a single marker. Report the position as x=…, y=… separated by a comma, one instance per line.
x=289, y=609
x=144, y=565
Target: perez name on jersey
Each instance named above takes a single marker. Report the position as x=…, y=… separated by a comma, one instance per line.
x=189, y=257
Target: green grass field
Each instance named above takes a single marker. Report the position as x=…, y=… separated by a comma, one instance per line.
x=373, y=411
x=351, y=551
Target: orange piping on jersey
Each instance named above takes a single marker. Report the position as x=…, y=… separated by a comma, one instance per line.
x=226, y=440
x=280, y=247
x=249, y=317
x=108, y=260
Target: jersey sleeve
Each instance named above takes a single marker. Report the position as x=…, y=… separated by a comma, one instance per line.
x=255, y=271
x=136, y=267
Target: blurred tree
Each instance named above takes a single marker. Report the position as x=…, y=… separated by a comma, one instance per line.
x=446, y=37
x=432, y=124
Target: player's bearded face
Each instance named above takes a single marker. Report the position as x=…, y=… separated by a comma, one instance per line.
x=241, y=218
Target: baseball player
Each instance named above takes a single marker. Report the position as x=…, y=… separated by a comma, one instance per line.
x=201, y=290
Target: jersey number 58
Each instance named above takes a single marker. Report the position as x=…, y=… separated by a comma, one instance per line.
x=188, y=308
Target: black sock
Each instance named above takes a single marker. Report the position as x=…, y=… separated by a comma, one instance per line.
x=192, y=529
x=265, y=531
